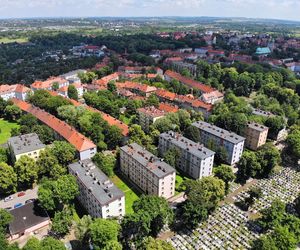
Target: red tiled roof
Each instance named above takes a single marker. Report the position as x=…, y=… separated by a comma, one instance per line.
x=167, y=108
x=165, y=94
x=48, y=83
x=21, y=88
x=190, y=82
x=136, y=86
x=152, y=111
x=79, y=141
x=5, y=88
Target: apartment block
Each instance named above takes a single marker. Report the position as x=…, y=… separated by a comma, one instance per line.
x=218, y=137
x=256, y=135
x=29, y=145
x=148, y=115
x=152, y=175
x=195, y=160
x=98, y=195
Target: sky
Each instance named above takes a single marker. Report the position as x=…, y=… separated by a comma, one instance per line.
x=275, y=9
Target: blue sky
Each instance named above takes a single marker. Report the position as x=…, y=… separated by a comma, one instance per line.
x=278, y=9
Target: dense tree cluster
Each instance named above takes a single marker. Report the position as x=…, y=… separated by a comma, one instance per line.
x=258, y=164
x=89, y=123
x=202, y=199
x=283, y=228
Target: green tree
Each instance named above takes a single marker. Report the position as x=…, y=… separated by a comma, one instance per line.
x=192, y=133
x=32, y=244
x=55, y=86
x=64, y=152
x=152, y=101
x=103, y=231
x=12, y=112
x=113, y=245
x=225, y=173
x=113, y=137
x=26, y=170
x=8, y=179
x=111, y=86
x=106, y=163
x=157, y=208
x=68, y=113
x=62, y=222
x=63, y=194
x=5, y=219
x=172, y=156
x=3, y=155
x=50, y=243
x=72, y=92
x=248, y=166
x=45, y=162
x=82, y=228
x=150, y=243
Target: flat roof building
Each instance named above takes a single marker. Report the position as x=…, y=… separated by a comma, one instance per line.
x=100, y=197
x=256, y=135
x=211, y=135
x=194, y=159
x=28, y=144
x=151, y=174
x=27, y=219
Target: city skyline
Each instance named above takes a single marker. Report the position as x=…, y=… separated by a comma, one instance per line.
x=273, y=9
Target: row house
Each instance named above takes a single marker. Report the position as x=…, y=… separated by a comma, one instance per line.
x=18, y=91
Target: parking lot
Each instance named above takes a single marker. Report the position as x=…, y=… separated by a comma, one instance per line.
x=29, y=194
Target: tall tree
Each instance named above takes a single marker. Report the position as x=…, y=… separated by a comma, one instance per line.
x=72, y=92
x=8, y=179
x=64, y=152
x=27, y=170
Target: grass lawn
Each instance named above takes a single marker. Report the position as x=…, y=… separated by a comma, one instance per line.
x=13, y=40
x=6, y=127
x=180, y=177
x=130, y=195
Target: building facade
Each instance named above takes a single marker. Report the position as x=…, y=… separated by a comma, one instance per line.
x=256, y=135
x=152, y=175
x=211, y=135
x=194, y=159
x=29, y=145
x=99, y=196
x=148, y=115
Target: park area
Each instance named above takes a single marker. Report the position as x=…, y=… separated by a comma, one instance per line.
x=5, y=129
x=130, y=195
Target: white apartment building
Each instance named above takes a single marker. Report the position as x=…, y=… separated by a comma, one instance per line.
x=98, y=195
x=195, y=160
x=152, y=175
x=231, y=142
x=29, y=145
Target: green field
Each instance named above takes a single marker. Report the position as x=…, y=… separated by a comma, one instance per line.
x=5, y=128
x=130, y=195
x=13, y=40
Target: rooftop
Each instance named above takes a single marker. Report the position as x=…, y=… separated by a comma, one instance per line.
x=96, y=181
x=152, y=111
x=190, y=82
x=219, y=132
x=182, y=142
x=155, y=165
x=26, y=217
x=257, y=127
x=79, y=141
x=25, y=143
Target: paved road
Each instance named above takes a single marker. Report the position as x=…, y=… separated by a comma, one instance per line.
x=30, y=194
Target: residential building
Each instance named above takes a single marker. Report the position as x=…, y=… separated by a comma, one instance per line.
x=72, y=76
x=194, y=159
x=148, y=115
x=63, y=91
x=27, y=219
x=171, y=75
x=260, y=112
x=48, y=84
x=84, y=146
x=256, y=135
x=212, y=97
x=217, y=138
x=97, y=194
x=29, y=145
x=152, y=175
x=14, y=91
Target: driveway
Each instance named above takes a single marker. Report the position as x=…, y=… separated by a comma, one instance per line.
x=29, y=194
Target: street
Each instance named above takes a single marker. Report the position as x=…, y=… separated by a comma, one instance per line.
x=29, y=194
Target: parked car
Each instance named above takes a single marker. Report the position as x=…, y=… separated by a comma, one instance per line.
x=18, y=205
x=9, y=198
x=30, y=200
x=8, y=208
x=21, y=194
